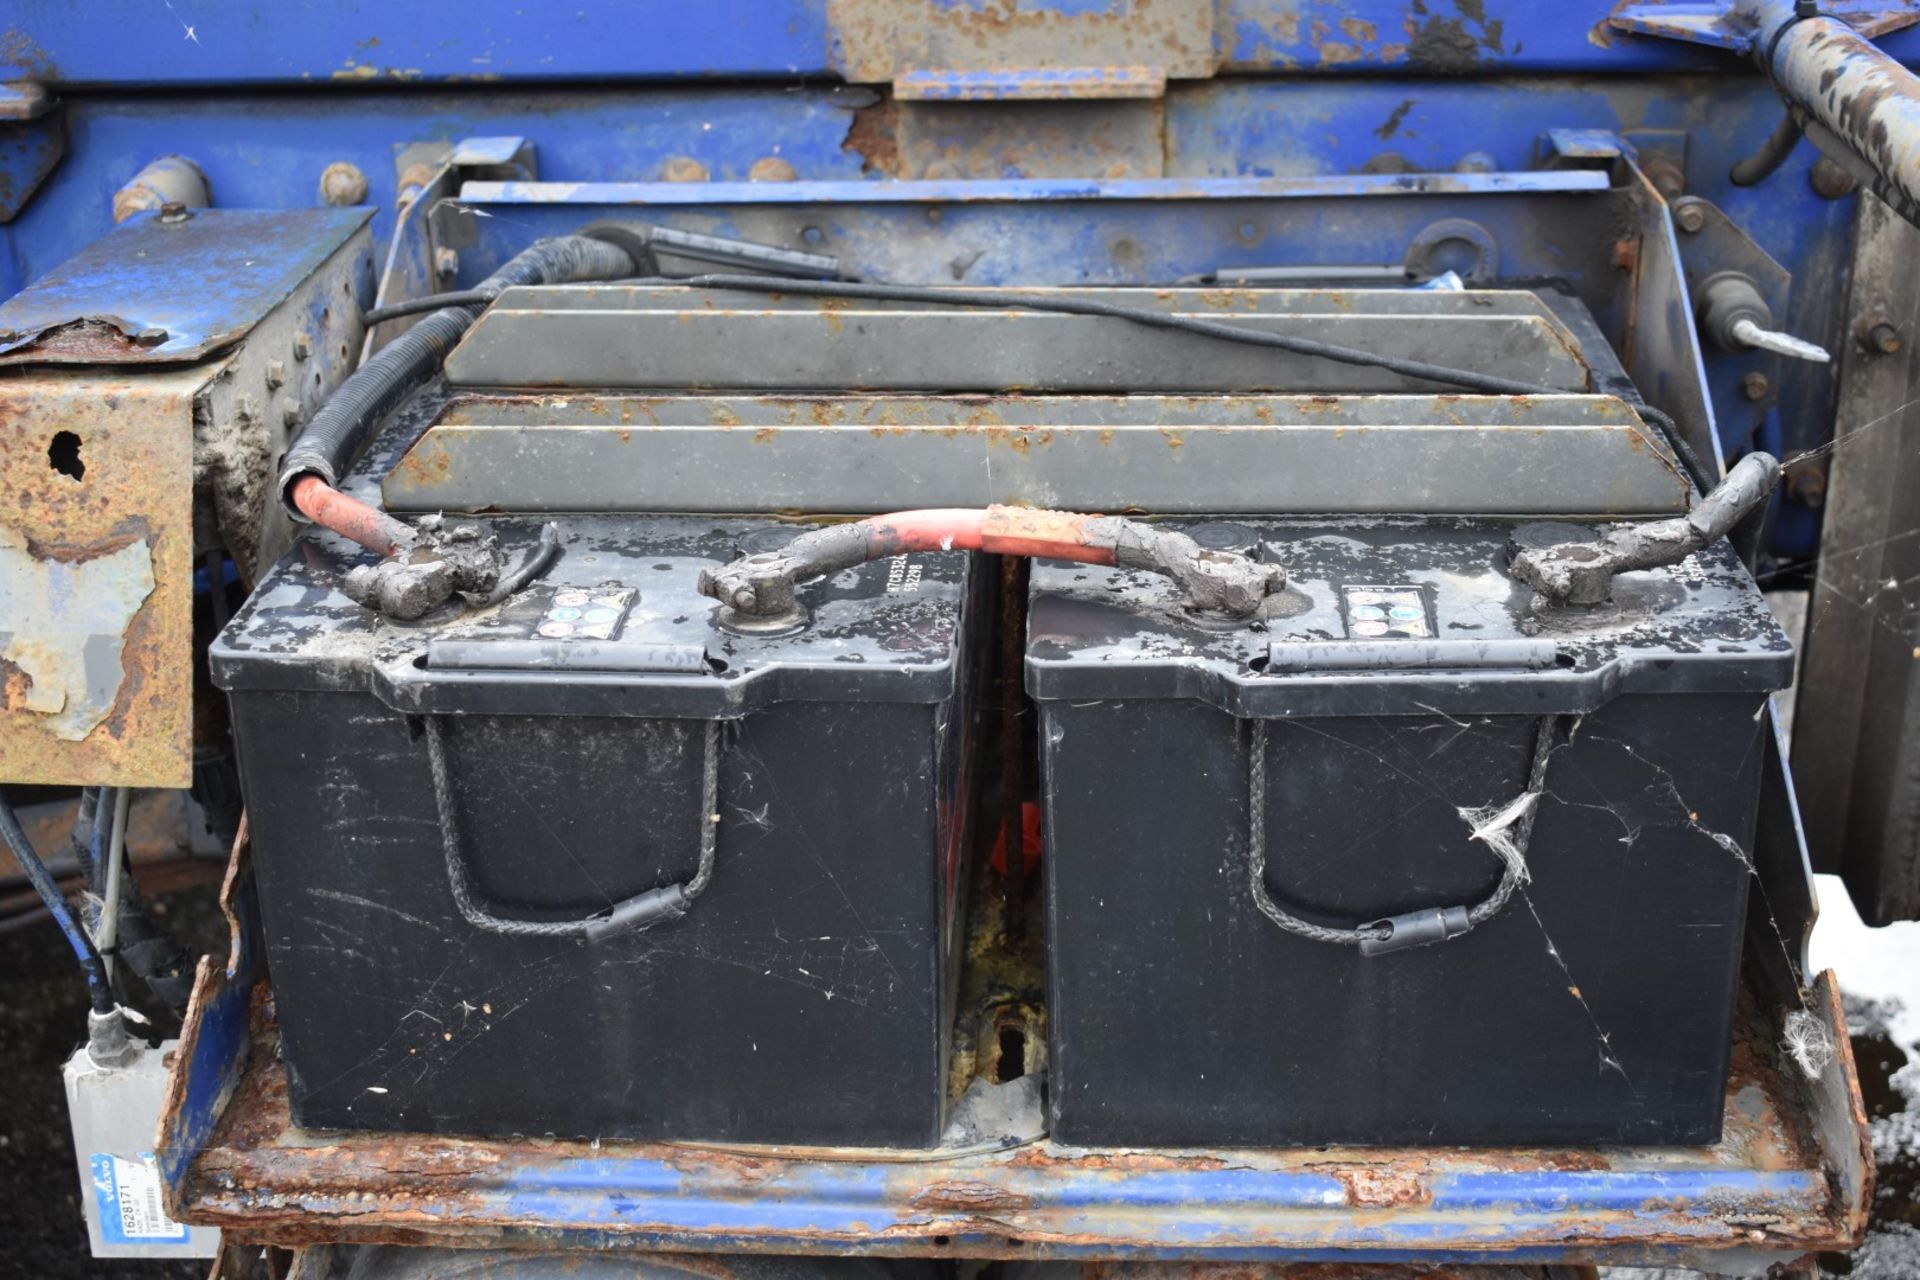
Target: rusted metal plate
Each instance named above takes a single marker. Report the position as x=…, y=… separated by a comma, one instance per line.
x=1762, y=1193
x=156, y=290
x=1536, y=455
x=96, y=577
x=1014, y=49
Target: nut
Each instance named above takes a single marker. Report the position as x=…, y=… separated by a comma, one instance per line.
x=342, y=184
x=1754, y=386
x=302, y=346
x=1689, y=216
x=276, y=374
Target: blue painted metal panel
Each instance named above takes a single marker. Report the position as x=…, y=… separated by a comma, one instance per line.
x=209, y=42
x=353, y=42
x=179, y=290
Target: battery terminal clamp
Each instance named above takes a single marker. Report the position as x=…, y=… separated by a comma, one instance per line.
x=759, y=594
x=1575, y=564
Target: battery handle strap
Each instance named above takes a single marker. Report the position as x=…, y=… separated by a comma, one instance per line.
x=642, y=910
x=1413, y=928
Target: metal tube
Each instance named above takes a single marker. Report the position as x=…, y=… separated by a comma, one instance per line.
x=109, y=928
x=1843, y=81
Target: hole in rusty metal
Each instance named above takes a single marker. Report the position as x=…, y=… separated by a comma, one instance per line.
x=1013, y=1053
x=63, y=455
x=943, y=1240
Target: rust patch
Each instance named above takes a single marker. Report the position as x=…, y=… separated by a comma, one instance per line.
x=873, y=135
x=1391, y=125
x=970, y=1197
x=1384, y=1186
x=133, y=438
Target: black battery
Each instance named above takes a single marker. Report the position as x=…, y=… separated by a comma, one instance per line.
x=546, y=765
x=1562, y=798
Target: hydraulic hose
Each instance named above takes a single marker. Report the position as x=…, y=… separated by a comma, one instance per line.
x=335, y=434
x=99, y=991
x=1772, y=153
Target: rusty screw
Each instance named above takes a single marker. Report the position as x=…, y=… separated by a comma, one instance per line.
x=342, y=184
x=1689, y=216
x=174, y=212
x=1754, y=386
x=1805, y=480
x=1884, y=338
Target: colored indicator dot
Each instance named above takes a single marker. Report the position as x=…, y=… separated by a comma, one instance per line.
x=602, y=615
x=1364, y=597
x=1369, y=628
x=570, y=597
x=1367, y=611
x=555, y=630
x=1402, y=612
x=563, y=615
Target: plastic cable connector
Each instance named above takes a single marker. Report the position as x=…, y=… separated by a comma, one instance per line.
x=666, y=903
x=1416, y=929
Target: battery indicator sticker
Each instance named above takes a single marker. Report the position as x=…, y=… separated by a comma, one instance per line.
x=585, y=613
x=1387, y=613
x=128, y=1195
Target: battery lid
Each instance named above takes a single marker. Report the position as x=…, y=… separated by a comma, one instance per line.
x=616, y=626
x=1403, y=616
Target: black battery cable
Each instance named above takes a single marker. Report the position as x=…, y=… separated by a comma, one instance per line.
x=1470, y=379
x=99, y=989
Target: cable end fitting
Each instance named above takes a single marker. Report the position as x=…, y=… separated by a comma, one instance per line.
x=1415, y=929
x=108, y=1044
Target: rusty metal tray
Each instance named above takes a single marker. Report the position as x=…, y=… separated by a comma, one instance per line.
x=1791, y=1176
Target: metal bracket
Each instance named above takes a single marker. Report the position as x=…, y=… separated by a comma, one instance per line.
x=1720, y=26
x=1038, y=49
x=33, y=141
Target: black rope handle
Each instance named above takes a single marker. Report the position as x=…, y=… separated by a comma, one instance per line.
x=1413, y=928
x=643, y=910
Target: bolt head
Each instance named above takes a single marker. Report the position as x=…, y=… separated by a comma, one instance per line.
x=342, y=184
x=1831, y=181
x=1755, y=385
x=1690, y=218
x=1885, y=338
x=744, y=599
x=771, y=169
x=683, y=169
x=276, y=374
x=302, y=346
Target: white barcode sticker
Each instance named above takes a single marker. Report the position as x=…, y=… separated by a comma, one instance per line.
x=128, y=1193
